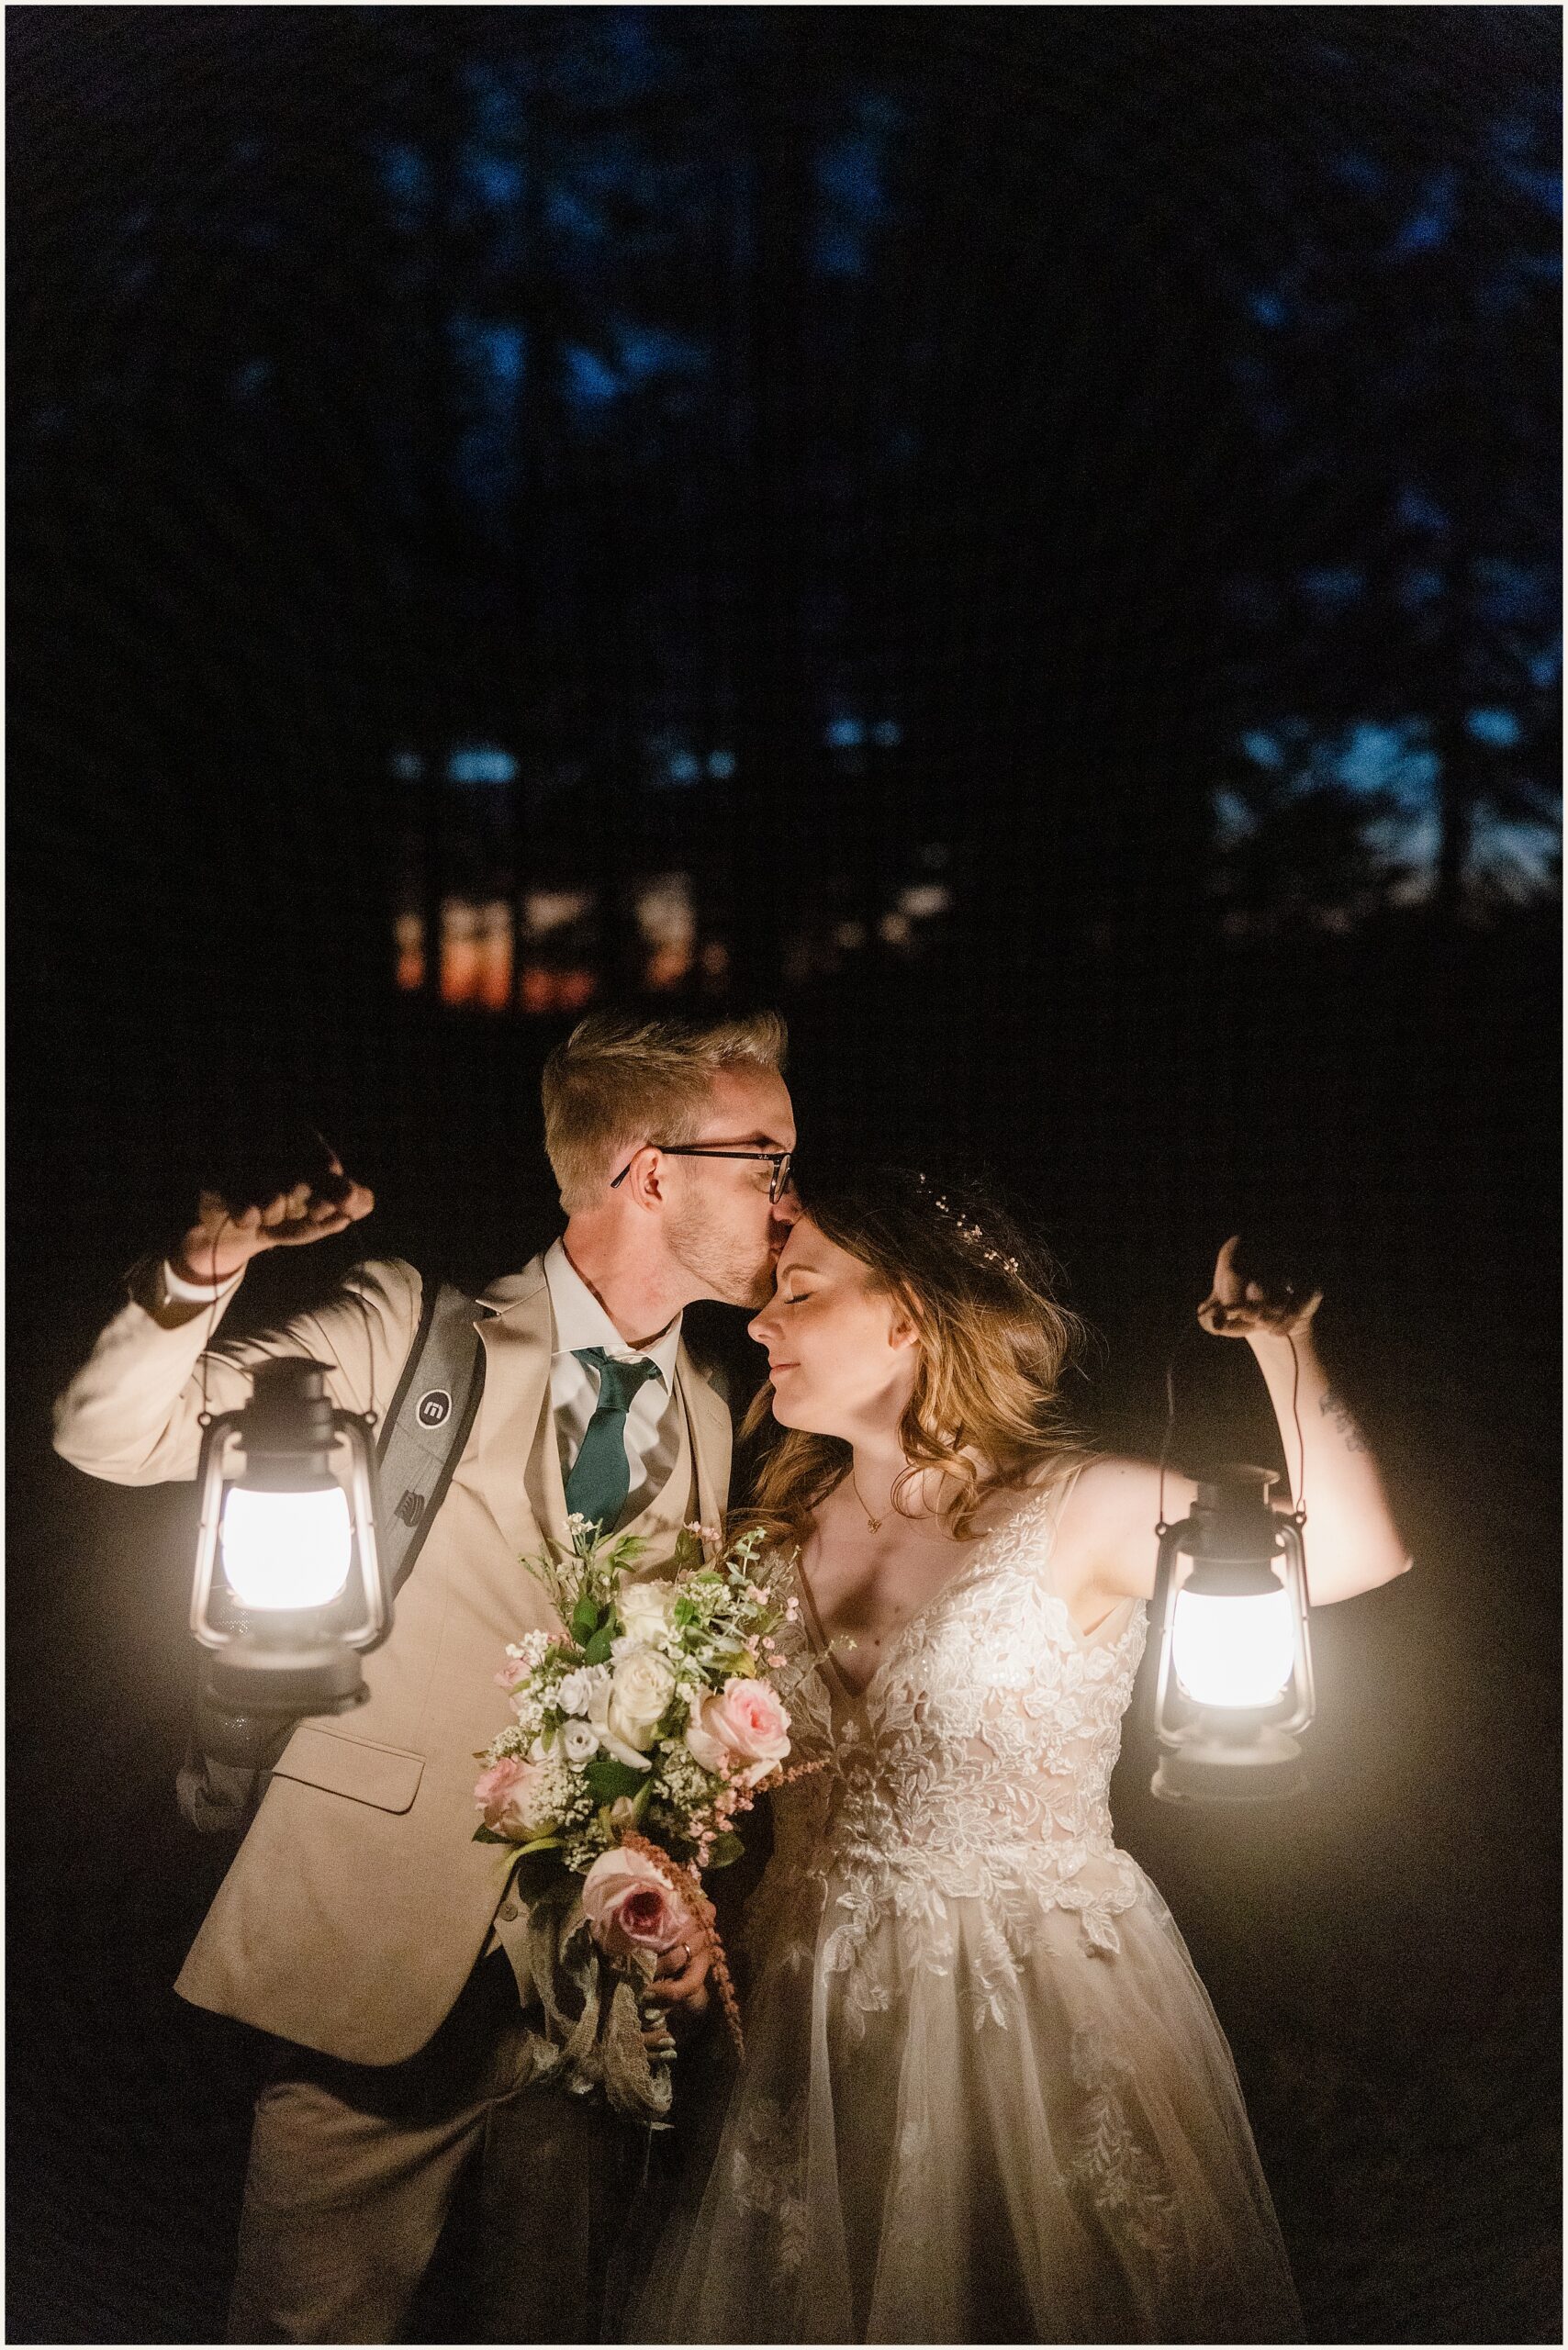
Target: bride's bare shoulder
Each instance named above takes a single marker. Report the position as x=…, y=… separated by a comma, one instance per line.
x=1081, y=1471
x=1106, y=1489
x=1107, y=1540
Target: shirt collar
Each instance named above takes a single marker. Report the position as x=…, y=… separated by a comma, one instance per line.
x=581, y=1320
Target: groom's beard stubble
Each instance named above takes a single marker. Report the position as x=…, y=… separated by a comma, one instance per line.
x=729, y=1271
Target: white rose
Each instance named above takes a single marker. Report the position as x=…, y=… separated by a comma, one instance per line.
x=609, y=1736
x=642, y=1687
x=572, y=1691
x=647, y=1609
x=579, y=1741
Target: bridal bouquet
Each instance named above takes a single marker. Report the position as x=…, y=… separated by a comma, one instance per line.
x=638, y=1737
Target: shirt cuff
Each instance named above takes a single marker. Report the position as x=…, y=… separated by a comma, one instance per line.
x=181, y=1292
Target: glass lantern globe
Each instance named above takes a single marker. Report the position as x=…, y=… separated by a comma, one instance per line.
x=1233, y=1680
x=288, y=1590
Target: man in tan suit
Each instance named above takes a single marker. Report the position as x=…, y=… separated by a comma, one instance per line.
x=359, y=1922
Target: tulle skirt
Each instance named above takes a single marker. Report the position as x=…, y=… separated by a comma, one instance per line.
x=1024, y=2138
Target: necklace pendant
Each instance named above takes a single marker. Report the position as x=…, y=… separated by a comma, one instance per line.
x=875, y=1524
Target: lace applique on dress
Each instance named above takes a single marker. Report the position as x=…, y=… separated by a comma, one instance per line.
x=765, y=2179
x=1124, y=2177
x=974, y=1766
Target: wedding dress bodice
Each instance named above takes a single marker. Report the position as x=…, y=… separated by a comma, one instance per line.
x=974, y=1765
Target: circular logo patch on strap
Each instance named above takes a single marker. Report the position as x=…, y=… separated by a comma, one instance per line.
x=433, y=1407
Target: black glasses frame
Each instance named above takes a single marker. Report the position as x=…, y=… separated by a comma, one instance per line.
x=779, y=1160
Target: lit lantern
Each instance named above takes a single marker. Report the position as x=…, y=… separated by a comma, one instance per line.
x=289, y=1579
x=1233, y=1683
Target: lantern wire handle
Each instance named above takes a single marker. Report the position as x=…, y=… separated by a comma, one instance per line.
x=1299, y=1512
x=369, y=1415
x=212, y=1326
x=1161, y=1530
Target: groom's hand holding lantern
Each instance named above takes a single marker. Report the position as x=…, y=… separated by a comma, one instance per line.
x=226, y=1236
x=282, y=1540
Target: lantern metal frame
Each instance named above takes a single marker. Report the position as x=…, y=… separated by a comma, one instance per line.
x=1231, y=1754
x=278, y=1663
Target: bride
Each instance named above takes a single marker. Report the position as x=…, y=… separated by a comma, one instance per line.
x=985, y=2098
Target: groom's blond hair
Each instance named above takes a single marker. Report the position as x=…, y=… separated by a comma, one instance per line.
x=619, y=1082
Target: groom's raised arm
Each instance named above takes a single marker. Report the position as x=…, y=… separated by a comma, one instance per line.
x=132, y=1413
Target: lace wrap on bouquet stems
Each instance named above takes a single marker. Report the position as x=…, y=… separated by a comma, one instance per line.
x=593, y=2013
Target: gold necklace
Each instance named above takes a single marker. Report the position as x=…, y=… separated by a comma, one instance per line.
x=874, y=1523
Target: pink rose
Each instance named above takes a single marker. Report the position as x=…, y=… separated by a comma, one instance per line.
x=744, y=1726
x=515, y=1797
x=515, y=1669
x=630, y=1907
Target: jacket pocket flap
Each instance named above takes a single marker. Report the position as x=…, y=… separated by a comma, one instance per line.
x=387, y=1776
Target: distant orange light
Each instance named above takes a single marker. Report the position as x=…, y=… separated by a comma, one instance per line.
x=667, y=965
x=408, y=935
x=543, y=990
x=477, y=953
x=477, y=965
x=459, y=970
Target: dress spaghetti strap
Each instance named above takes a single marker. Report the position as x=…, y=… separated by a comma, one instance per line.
x=1115, y=1621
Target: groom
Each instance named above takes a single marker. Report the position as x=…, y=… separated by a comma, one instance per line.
x=359, y=1924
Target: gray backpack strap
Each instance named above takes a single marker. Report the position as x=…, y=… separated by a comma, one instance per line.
x=427, y=1424
x=229, y=1757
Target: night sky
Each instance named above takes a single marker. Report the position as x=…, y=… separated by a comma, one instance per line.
x=1027, y=538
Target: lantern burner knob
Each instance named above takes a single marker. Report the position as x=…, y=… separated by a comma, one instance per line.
x=1237, y=1487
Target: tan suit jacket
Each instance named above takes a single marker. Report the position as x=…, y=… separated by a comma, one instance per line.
x=358, y=1903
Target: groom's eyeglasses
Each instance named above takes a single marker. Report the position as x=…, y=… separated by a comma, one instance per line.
x=779, y=1160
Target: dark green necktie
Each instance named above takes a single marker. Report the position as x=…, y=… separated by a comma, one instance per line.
x=600, y=1478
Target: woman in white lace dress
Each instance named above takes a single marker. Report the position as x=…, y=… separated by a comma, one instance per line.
x=985, y=2098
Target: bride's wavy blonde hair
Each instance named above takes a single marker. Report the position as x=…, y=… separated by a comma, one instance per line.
x=992, y=1341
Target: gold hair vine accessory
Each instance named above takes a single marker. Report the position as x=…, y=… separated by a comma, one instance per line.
x=970, y=1231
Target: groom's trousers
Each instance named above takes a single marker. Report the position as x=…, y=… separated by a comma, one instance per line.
x=353, y=2168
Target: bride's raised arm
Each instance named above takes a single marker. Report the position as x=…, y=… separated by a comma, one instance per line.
x=1352, y=1542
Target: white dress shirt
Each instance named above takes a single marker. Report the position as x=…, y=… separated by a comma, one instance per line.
x=653, y=1419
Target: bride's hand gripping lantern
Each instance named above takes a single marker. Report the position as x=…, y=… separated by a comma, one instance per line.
x=1233, y=1677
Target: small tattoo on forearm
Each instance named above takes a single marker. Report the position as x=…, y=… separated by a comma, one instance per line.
x=1340, y=1412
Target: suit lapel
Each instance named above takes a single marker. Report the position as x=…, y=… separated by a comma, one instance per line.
x=519, y=1337
x=710, y=1417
